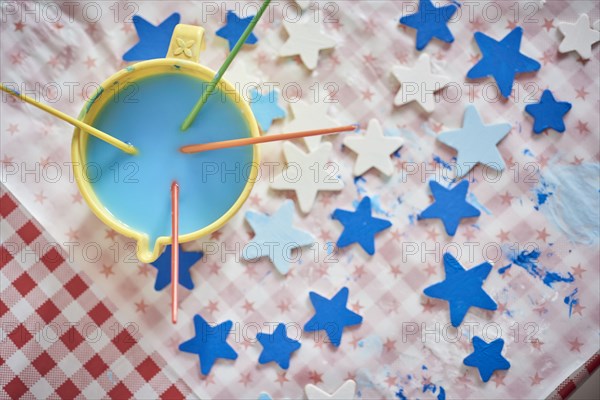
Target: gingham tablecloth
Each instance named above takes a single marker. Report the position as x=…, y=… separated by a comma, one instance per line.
x=404, y=343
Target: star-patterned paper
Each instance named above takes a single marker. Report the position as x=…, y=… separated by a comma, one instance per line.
x=386, y=288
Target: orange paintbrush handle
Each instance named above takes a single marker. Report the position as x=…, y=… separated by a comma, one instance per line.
x=196, y=148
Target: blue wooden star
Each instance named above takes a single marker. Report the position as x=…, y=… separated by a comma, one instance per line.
x=275, y=237
x=332, y=316
x=450, y=205
x=359, y=226
x=154, y=40
x=210, y=343
x=430, y=22
x=462, y=289
x=502, y=60
x=487, y=357
x=234, y=28
x=277, y=347
x=163, y=265
x=548, y=113
x=265, y=108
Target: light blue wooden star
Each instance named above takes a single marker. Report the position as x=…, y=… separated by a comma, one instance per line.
x=265, y=108
x=154, y=40
x=359, y=226
x=431, y=22
x=275, y=237
x=548, y=113
x=234, y=28
x=210, y=343
x=487, y=357
x=450, y=205
x=332, y=316
x=502, y=60
x=462, y=289
x=476, y=142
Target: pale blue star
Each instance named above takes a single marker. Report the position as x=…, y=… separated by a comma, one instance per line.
x=275, y=237
x=487, y=357
x=154, y=40
x=265, y=108
x=462, y=289
x=476, y=142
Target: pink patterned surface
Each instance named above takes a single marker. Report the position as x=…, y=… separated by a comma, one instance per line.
x=385, y=289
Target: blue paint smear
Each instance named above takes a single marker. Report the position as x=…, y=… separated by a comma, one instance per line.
x=438, y=160
x=424, y=368
x=569, y=197
x=442, y=395
x=528, y=152
x=529, y=262
x=504, y=269
x=429, y=386
x=409, y=377
x=400, y=394
x=571, y=300
x=475, y=202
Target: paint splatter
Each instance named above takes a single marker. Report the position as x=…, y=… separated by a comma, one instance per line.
x=400, y=394
x=528, y=152
x=504, y=269
x=529, y=262
x=569, y=197
x=572, y=300
x=429, y=386
x=442, y=394
x=438, y=160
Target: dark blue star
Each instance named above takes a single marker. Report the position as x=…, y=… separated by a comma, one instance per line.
x=154, y=40
x=332, y=315
x=430, y=22
x=234, y=28
x=462, y=289
x=502, y=60
x=163, y=265
x=359, y=226
x=548, y=113
x=450, y=205
x=487, y=357
x=277, y=347
x=210, y=343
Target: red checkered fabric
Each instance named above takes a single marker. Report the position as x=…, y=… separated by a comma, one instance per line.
x=60, y=335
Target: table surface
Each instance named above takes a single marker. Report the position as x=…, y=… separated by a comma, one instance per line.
x=95, y=326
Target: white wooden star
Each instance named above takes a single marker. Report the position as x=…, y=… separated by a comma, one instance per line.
x=307, y=174
x=303, y=4
x=419, y=83
x=308, y=117
x=238, y=73
x=578, y=37
x=373, y=149
x=344, y=392
x=306, y=40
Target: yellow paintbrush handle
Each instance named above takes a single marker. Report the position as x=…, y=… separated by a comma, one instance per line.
x=127, y=148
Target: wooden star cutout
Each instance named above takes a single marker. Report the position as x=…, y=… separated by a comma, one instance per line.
x=373, y=149
x=306, y=40
x=419, y=83
x=344, y=392
x=302, y=177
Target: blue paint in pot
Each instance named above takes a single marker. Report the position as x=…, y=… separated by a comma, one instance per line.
x=136, y=188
